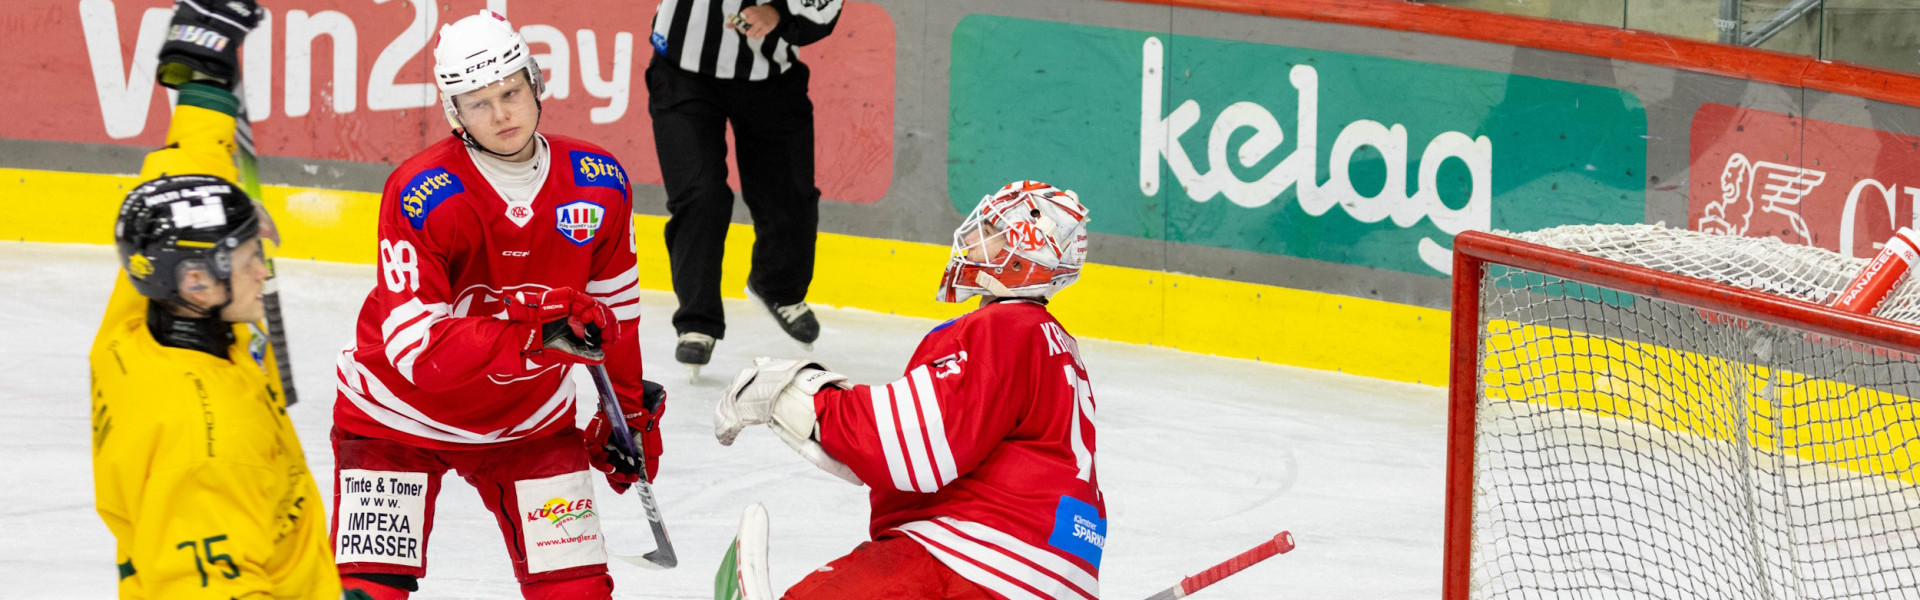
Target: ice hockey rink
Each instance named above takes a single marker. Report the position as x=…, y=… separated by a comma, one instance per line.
x=1199, y=457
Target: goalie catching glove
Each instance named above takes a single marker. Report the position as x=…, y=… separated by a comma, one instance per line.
x=203, y=41
x=622, y=469
x=779, y=393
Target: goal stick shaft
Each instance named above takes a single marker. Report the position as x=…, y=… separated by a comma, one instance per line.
x=249, y=167
x=662, y=556
x=1280, y=544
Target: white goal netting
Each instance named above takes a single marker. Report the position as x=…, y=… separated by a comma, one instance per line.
x=1631, y=447
x=1760, y=264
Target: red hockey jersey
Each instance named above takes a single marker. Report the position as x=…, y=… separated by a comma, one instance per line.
x=430, y=364
x=983, y=453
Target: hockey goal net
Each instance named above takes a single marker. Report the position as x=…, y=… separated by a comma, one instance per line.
x=1642, y=412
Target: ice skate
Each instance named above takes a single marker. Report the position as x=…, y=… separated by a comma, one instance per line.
x=796, y=319
x=694, y=350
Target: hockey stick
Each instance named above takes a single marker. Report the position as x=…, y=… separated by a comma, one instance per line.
x=1280, y=544
x=249, y=165
x=622, y=436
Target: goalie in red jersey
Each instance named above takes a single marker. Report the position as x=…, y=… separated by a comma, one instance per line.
x=506, y=262
x=980, y=457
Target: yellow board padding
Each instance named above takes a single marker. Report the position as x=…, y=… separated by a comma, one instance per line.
x=1197, y=314
x=1825, y=422
x=79, y=208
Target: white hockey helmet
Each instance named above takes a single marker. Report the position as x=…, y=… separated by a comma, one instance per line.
x=475, y=52
x=1027, y=240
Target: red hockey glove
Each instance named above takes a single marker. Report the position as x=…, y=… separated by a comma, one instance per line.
x=561, y=325
x=623, y=470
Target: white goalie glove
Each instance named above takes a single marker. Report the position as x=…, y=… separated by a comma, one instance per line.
x=779, y=393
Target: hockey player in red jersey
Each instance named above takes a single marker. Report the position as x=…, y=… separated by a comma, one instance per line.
x=505, y=261
x=980, y=458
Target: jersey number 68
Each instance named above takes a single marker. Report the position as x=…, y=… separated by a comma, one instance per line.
x=399, y=266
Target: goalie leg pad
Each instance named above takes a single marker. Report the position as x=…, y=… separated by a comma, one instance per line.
x=743, y=573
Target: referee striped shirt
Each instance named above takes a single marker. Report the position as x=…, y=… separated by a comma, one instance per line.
x=693, y=35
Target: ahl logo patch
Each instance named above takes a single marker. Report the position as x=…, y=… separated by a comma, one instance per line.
x=598, y=170
x=425, y=192
x=578, y=220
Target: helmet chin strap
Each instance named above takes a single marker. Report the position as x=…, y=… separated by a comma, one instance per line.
x=198, y=329
x=992, y=285
x=208, y=312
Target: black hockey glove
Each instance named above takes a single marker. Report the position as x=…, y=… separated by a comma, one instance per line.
x=204, y=38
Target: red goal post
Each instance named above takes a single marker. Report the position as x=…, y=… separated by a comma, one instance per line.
x=1632, y=386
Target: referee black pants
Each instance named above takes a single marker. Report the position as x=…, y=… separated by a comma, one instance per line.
x=773, y=134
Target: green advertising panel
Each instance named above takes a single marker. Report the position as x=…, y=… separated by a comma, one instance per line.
x=1323, y=155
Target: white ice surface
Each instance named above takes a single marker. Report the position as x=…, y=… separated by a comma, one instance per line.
x=1199, y=457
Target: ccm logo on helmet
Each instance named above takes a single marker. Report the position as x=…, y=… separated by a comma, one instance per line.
x=477, y=66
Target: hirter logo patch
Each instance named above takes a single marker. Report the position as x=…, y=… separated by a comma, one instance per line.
x=426, y=191
x=579, y=220
x=598, y=170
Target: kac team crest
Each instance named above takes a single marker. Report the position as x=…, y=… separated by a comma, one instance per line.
x=579, y=220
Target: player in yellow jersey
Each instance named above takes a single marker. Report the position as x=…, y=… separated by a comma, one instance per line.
x=196, y=468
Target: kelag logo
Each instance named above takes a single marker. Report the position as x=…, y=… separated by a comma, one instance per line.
x=1323, y=155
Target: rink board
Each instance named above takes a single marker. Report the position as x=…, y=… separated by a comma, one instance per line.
x=1196, y=314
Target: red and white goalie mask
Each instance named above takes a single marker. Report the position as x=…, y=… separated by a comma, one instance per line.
x=1027, y=240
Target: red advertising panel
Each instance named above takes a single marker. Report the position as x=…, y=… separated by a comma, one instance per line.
x=350, y=79
x=1803, y=181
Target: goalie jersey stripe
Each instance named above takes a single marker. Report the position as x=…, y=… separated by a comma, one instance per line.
x=913, y=434
x=936, y=427
x=1001, y=562
x=983, y=415
x=888, y=436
